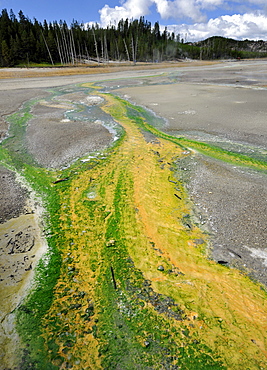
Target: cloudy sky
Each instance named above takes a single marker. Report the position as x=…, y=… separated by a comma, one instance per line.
x=193, y=19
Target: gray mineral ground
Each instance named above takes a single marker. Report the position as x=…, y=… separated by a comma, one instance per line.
x=12, y=196
x=223, y=104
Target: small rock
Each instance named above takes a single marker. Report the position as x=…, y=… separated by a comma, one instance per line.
x=111, y=243
x=199, y=241
x=146, y=343
x=161, y=268
x=29, y=268
x=223, y=262
x=75, y=306
x=20, y=243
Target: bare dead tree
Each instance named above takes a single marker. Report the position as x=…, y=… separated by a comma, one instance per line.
x=127, y=52
x=65, y=46
x=96, y=49
x=134, y=48
x=87, y=53
x=73, y=46
x=59, y=49
x=50, y=56
x=117, y=49
x=102, y=48
x=106, y=48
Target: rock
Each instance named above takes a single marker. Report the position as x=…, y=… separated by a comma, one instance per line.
x=111, y=243
x=20, y=243
x=75, y=306
x=146, y=343
x=222, y=262
x=234, y=253
x=60, y=180
x=161, y=268
x=199, y=241
x=28, y=268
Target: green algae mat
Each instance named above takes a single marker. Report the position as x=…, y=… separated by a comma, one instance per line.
x=126, y=283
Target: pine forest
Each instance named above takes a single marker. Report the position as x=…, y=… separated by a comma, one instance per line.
x=24, y=42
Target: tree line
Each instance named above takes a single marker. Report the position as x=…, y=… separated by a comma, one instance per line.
x=217, y=47
x=26, y=42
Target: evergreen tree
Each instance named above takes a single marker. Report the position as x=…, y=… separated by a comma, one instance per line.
x=23, y=41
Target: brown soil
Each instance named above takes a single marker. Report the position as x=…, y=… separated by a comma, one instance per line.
x=93, y=69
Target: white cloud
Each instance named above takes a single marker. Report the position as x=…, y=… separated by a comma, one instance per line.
x=179, y=9
x=239, y=26
x=129, y=9
x=163, y=8
x=166, y=9
x=210, y=4
x=247, y=26
x=189, y=9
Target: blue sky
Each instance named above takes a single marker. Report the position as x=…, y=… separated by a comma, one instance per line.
x=81, y=10
x=193, y=19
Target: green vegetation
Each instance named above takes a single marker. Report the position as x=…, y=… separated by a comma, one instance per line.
x=30, y=312
x=135, y=335
x=14, y=143
x=123, y=283
x=145, y=120
x=28, y=44
x=38, y=302
x=222, y=48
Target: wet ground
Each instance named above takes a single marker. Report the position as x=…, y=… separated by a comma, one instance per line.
x=66, y=128
x=223, y=104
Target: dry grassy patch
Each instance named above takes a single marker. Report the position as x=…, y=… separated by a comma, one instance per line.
x=95, y=69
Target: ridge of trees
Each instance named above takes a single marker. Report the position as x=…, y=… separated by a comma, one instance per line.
x=217, y=47
x=23, y=41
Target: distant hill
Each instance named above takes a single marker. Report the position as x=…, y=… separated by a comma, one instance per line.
x=217, y=47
